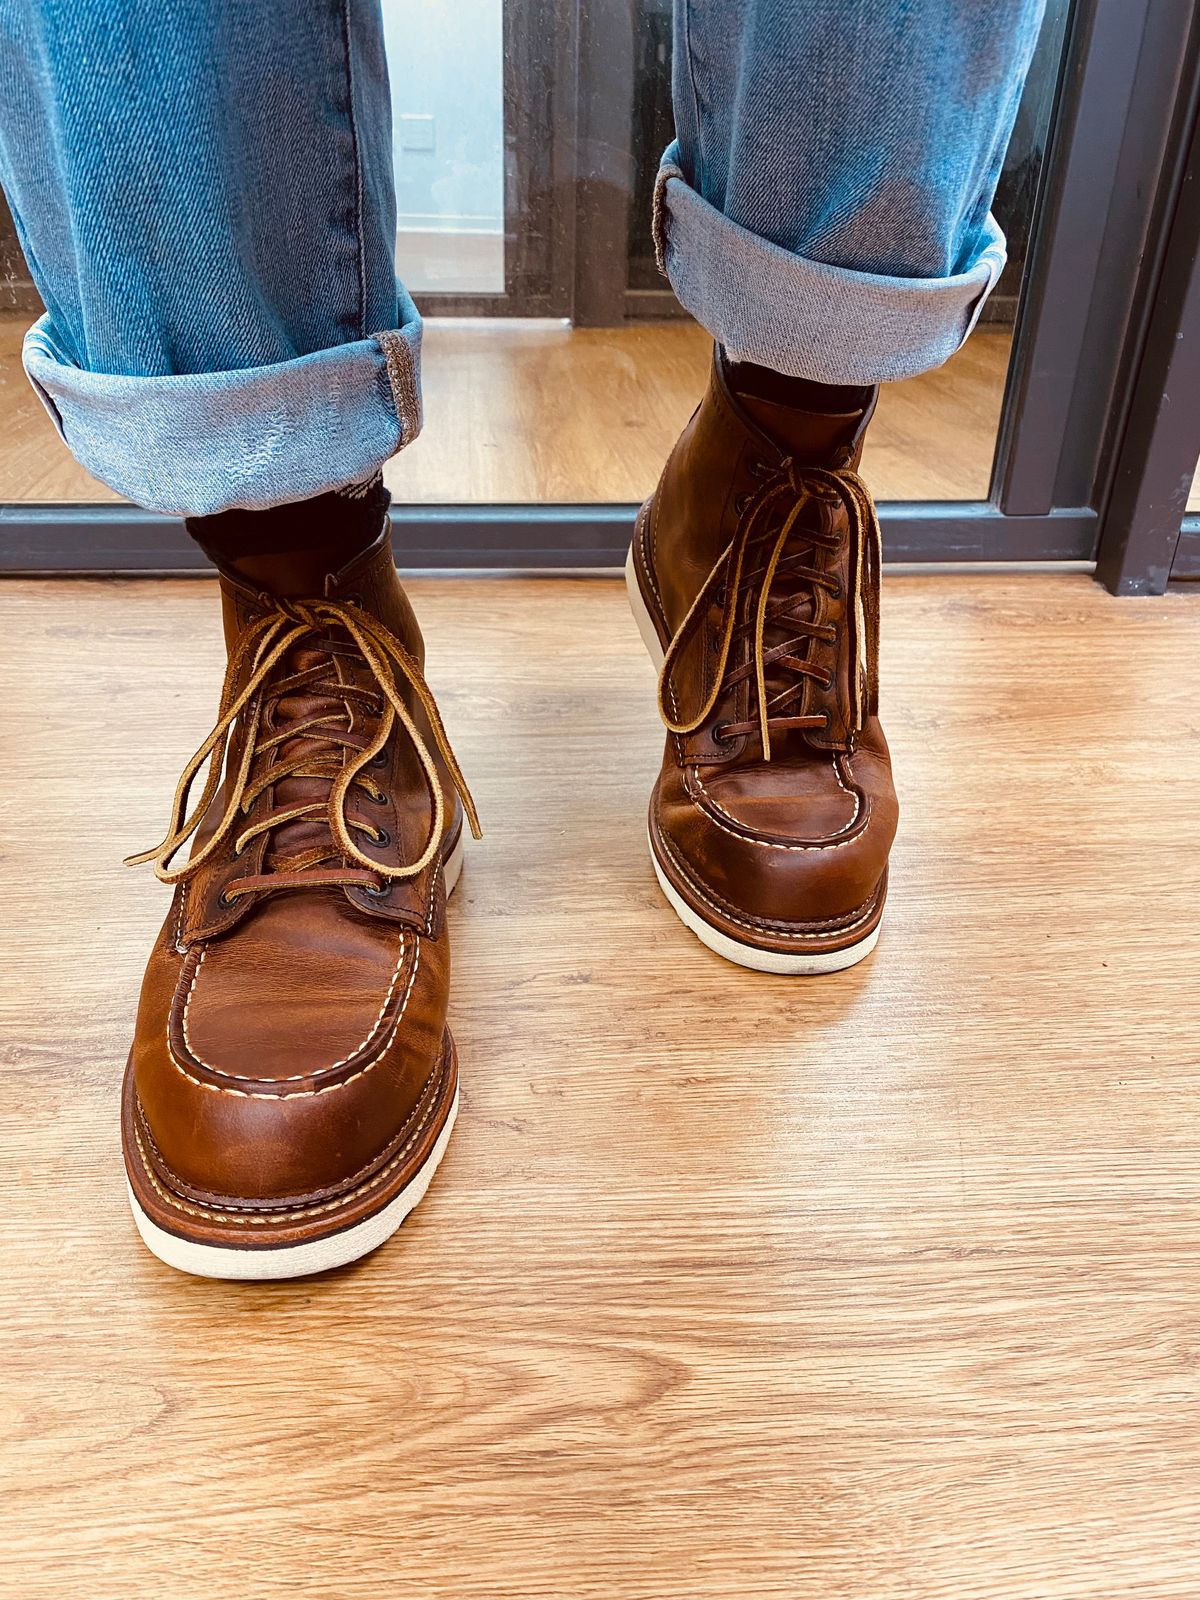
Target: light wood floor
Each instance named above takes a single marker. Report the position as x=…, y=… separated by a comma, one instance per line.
x=519, y=411
x=884, y=1286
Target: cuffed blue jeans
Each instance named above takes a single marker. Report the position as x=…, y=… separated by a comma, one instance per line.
x=203, y=191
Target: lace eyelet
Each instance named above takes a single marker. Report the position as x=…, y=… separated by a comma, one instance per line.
x=377, y=891
x=380, y=760
x=226, y=900
x=719, y=735
x=828, y=684
x=740, y=503
x=836, y=592
x=382, y=839
x=379, y=798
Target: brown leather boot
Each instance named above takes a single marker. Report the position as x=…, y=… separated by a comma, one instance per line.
x=292, y=1082
x=754, y=577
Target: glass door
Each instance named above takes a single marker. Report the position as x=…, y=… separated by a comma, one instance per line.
x=559, y=369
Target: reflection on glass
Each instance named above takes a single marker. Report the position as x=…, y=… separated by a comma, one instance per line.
x=522, y=407
x=599, y=405
x=448, y=144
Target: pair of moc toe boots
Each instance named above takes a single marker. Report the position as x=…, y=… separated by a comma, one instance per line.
x=292, y=1083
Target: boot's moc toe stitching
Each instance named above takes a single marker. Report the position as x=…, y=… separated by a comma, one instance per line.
x=754, y=579
x=292, y=1082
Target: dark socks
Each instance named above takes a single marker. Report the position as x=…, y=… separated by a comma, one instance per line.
x=314, y=536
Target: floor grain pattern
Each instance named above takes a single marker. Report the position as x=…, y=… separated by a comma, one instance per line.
x=881, y=1286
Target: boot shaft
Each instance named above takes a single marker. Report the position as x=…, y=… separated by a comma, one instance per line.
x=736, y=451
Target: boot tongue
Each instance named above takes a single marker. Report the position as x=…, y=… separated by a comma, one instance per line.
x=369, y=582
x=293, y=838
x=300, y=575
x=812, y=437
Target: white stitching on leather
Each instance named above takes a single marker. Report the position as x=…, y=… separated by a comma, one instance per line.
x=162, y=1165
x=295, y=1077
x=179, y=917
x=643, y=560
x=652, y=520
x=754, y=927
x=854, y=794
x=287, y=1216
x=299, y=1094
x=767, y=844
x=837, y=843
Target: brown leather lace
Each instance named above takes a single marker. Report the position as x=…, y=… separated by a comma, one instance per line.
x=248, y=693
x=789, y=489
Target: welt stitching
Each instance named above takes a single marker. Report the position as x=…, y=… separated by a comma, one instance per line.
x=347, y=1185
x=296, y=1094
x=289, y=1216
x=295, y=1077
x=822, y=930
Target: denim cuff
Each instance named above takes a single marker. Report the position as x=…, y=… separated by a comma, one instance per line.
x=828, y=324
x=199, y=443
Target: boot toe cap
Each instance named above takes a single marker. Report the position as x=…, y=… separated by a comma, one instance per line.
x=809, y=873
x=224, y=1141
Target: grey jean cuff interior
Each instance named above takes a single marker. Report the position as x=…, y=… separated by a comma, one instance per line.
x=194, y=444
x=828, y=324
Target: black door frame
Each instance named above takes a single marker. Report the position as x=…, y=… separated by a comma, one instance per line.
x=1147, y=539
x=1079, y=382
x=540, y=95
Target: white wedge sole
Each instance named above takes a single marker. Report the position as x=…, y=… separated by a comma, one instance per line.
x=297, y=1260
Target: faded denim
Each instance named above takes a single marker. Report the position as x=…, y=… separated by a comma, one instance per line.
x=203, y=190
x=824, y=208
